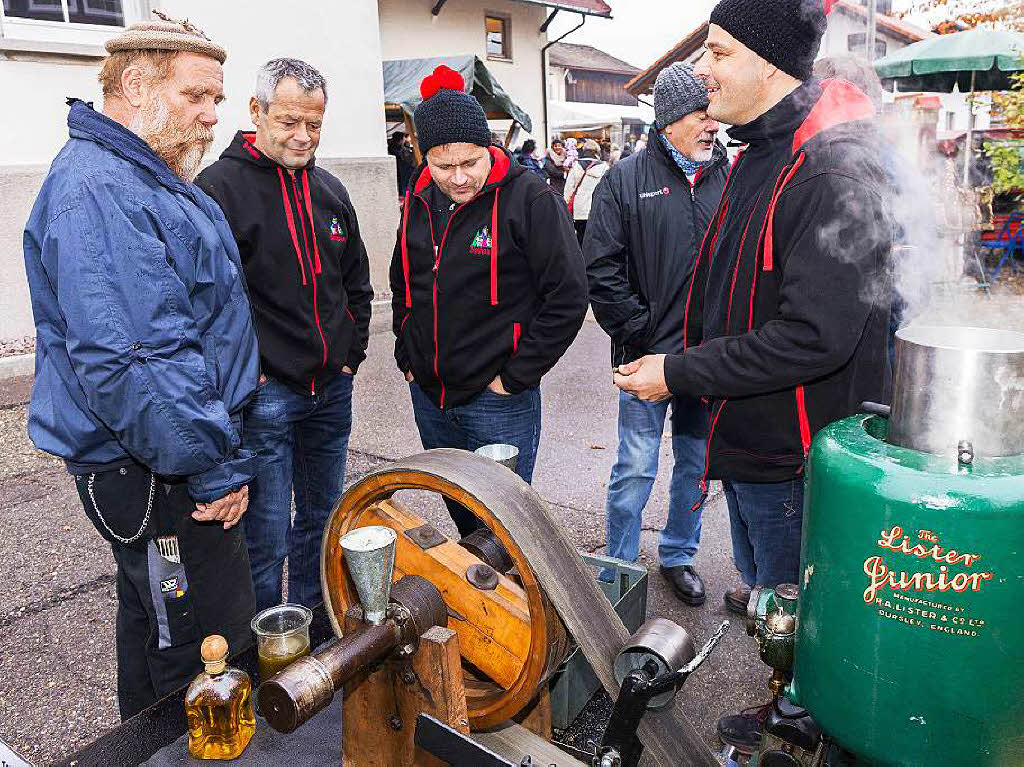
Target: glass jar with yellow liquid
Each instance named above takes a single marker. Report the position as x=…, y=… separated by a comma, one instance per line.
x=282, y=637
x=218, y=706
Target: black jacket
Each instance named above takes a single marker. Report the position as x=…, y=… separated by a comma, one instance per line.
x=788, y=311
x=555, y=174
x=309, y=284
x=504, y=292
x=405, y=164
x=646, y=225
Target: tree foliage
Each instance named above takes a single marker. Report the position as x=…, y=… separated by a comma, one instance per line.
x=1006, y=157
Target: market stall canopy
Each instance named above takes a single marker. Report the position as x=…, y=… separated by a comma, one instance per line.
x=566, y=115
x=979, y=59
x=402, y=78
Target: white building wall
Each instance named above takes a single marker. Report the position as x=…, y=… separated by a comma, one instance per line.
x=341, y=39
x=408, y=30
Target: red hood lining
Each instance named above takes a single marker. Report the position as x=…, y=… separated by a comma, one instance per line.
x=499, y=170
x=840, y=102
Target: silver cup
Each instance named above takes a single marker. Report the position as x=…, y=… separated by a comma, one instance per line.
x=506, y=455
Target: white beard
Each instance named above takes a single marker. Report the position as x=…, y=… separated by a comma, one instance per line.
x=182, y=150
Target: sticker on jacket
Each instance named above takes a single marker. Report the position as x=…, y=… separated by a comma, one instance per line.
x=337, y=230
x=172, y=587
x=482, y=243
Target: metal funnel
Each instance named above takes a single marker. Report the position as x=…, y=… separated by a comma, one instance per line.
x=370, y=556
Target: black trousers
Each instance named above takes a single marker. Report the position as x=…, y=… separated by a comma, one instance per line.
x=581, y=229
x=165, y=609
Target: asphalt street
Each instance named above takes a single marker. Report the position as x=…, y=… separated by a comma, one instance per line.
x=57, y=674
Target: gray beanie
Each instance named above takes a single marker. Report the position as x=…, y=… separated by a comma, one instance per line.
x=677, y=92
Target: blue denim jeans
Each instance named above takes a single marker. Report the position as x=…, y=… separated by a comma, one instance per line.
x=641, y=426
x=488, y=419
x=766, y=518
x=302, y=445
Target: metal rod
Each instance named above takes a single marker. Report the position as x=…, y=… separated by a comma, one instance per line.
x=437, y=7
x=969, y=145
x=869, y=38
x=548, y=20
x=544, y=75
x=297, y=692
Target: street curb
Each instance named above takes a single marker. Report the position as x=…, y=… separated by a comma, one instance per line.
x=17, y=366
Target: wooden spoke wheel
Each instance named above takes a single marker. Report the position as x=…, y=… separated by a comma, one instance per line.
x=510, y=637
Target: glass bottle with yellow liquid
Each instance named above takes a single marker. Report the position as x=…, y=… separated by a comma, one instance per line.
x=218, y=706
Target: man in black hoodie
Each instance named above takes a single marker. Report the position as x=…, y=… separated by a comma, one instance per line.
x=309, y=281
x=488, y=283
x=788, y=311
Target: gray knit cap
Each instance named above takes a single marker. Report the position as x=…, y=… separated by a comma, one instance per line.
x=677, y=92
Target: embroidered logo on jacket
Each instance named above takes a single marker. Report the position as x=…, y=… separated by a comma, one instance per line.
x=481, y=245
x=658, y=193
x=337, y=230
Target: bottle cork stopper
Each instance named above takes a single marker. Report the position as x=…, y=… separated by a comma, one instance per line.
x=214, y=649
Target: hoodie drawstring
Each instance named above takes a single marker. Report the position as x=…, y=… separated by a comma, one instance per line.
x=405, y=249
x=309, y=211
x=291, y=224
x=494, y=249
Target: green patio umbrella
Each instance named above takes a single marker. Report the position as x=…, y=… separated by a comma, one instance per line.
x=976, y=60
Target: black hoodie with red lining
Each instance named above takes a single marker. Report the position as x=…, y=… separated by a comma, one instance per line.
x=788, y=310
x=502, y=292
x=309, y=284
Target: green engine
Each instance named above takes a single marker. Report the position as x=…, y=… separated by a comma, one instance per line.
x=908, y=644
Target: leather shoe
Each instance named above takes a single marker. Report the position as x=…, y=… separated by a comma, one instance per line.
x=743, y=731
x=686, y=584
x=736, y=600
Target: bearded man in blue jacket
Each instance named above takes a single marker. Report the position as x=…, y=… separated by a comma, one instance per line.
x=145, y=353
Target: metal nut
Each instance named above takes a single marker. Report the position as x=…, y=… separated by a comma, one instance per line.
x=395, y=722
x=408, y=676
x=483, y=577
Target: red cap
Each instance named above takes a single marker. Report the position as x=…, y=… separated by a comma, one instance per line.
x=442, y=77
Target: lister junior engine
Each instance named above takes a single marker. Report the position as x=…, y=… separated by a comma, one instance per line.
x=907, y=621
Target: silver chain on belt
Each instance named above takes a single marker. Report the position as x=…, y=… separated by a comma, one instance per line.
x=145, y=520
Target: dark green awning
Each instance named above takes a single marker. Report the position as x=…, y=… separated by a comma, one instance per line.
x=984, y=57
x=402, y=78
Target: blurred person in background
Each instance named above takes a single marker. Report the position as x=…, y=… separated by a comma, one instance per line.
x=525, y=157
x=554, y=166
x=584, y=176
x=400, y=147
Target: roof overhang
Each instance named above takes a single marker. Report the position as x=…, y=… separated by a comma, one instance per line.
x=572, y=7
x=644, y=82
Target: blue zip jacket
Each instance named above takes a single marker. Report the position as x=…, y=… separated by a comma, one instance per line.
x=145, y=349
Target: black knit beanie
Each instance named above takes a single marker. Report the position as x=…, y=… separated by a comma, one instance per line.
x=447, y=114
x=786, y=33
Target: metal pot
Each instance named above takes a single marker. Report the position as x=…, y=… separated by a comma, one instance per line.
x=958, y=391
